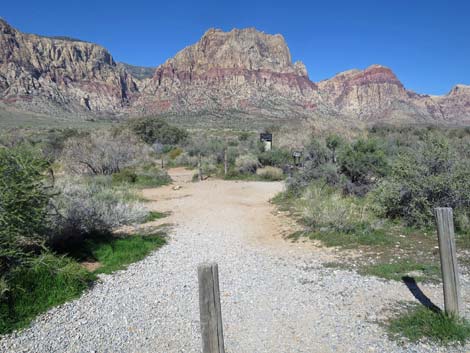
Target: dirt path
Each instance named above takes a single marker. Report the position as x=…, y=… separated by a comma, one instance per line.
x=220, y=204
x=276, y=296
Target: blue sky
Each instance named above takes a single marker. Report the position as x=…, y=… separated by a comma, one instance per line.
x=426, y=43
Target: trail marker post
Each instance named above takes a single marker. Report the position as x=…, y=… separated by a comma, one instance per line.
x=450, y=274
x=199, y=166
x=209, y=308
x=225, y=162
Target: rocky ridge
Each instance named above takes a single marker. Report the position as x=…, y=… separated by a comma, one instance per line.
x=224, y=74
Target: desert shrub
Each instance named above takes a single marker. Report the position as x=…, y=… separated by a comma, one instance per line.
x=247, y=163
x=270, y=173
x=187, y=160
x=333, y=143
x=89, y=208
x=125, y=176
x=316, y=154
x=146, y=175
x=275, y=158
x=432, y=176
x=154, y=129
x=103, y=153
x=363, y=162
x=53, y=143
x=175, y=152
x=325, y=207
x=24, y=206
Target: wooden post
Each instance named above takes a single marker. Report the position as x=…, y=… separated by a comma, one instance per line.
x=209, y=308
x=199, y=166
x=450, y=274
x=225, y=162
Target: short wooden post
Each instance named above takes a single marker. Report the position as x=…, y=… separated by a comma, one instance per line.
x=199, y=166
x=450, y=274
x=225, y=162
x=209, y=308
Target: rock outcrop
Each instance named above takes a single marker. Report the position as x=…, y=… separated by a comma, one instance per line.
x=225, y=74
x=238, y=70
x=56, y=75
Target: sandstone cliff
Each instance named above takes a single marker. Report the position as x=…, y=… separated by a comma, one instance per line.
x=51, y=75
x=244, y=70
x=238, y=74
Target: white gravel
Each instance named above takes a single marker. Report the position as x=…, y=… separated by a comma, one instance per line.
x=274, y=298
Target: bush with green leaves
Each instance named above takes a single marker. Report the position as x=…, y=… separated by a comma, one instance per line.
x=433, y=175
x=316, y=166
x=363, y=162
x=24, y=204
x=142, y=176
x=275, y=158
x=156, y=129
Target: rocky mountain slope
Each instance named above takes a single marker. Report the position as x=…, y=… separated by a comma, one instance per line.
x=51, y=75
x=225, y=74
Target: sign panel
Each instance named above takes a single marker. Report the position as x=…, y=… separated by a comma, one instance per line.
x=266, y=137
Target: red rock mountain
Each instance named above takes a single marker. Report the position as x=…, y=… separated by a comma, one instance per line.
x=238, y=74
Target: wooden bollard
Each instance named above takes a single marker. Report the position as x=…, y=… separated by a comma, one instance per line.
x=450, y=274
x=209, y=308
x=225, y=162
x=199, y=167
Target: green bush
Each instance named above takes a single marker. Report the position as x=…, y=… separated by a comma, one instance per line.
x=24, y=208
x=275, y=158
x=125, y=176
x=153, y=129
x=144, y=176
x=363, y=161
x=432, y=176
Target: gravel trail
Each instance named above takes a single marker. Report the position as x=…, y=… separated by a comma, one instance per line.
x=276, y=296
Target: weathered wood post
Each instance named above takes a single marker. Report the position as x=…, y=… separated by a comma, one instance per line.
x=225, y=162
x=450, y=274
x=199, y=166
x=209, y=308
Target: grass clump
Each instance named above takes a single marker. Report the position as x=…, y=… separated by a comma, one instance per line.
x=48, y=281
x=118, y=253
x=361, y=234
x=396, y=271
x=154, y=215
x=419, y=323
x=270, y=173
